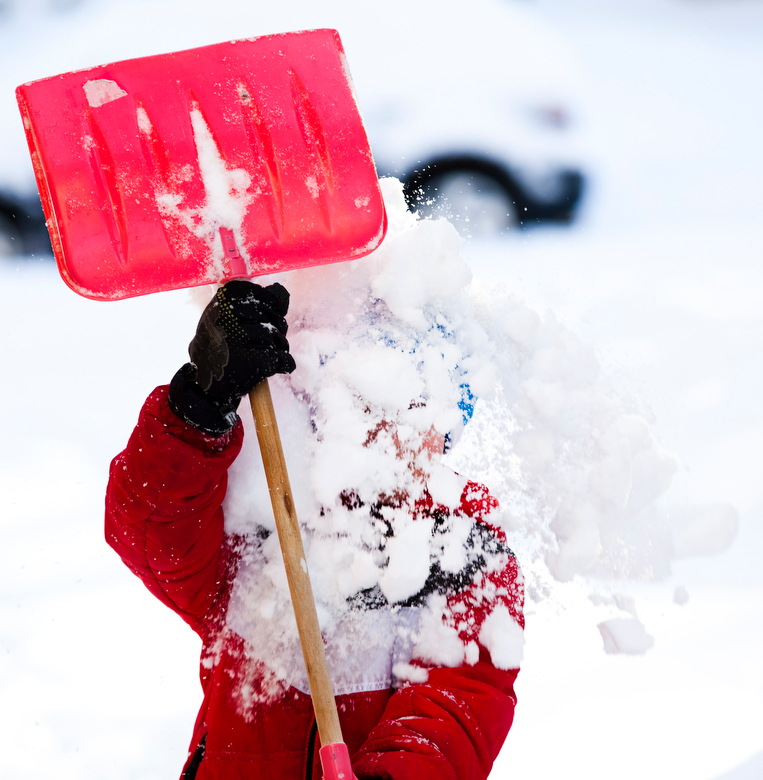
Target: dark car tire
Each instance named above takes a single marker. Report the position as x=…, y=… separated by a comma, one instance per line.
x=476, y=195
x=477, y=204
x=423, y=186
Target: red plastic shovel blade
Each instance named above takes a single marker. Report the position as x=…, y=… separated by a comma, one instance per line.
x=238, y=159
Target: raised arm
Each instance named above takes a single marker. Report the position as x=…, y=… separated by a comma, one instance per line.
x=165, y=492
x=163, y=507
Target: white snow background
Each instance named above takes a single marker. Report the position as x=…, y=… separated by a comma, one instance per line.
x=659, y=281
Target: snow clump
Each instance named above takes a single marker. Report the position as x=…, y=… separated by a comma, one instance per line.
x=625, y=635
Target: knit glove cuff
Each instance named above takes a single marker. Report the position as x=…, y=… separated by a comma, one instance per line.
x=189, y=402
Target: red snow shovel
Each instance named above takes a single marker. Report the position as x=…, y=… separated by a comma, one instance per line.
x=227, y=161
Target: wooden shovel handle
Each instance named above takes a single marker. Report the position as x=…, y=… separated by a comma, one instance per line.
x=295, y=562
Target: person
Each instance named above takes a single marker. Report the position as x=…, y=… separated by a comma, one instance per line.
x=424, y=680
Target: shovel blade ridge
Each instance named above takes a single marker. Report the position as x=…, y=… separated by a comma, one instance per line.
x=262, y=147
x=261, y=137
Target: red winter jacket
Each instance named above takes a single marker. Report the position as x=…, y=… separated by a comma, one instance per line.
x=164, y=517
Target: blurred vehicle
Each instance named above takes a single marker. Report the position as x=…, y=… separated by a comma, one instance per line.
x=474, y=166
x=471, y=105
x=22, y=225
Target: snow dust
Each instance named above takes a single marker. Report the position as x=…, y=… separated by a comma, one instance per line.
x=399, y=353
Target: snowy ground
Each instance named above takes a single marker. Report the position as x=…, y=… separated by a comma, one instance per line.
x=662, y=276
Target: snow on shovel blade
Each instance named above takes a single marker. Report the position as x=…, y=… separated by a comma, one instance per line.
x=232, y=160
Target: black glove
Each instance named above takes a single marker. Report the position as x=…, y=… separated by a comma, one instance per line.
x=240, y=340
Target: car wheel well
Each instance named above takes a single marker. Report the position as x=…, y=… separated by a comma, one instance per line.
x=415, y=182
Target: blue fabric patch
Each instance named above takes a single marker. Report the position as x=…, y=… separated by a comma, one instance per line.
x=466, y=404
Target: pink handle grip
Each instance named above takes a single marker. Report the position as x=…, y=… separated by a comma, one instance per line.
x=335, y=760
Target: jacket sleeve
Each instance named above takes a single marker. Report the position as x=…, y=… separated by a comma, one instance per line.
x=452, y=726
x=449, y=728
x=164, y=508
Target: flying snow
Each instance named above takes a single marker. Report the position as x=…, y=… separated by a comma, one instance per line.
x=398, y=353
